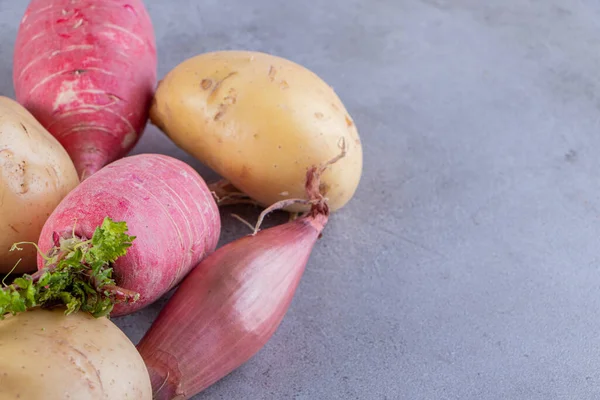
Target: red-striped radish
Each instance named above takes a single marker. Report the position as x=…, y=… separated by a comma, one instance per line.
x=229, y=306
x=87, y=71
x=166, y=206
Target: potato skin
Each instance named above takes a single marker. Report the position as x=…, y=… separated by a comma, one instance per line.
x=35, y=174
x=260, y=121
x=47, y=355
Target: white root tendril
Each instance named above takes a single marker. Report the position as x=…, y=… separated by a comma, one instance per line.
x=243, y=221
x=277, y=206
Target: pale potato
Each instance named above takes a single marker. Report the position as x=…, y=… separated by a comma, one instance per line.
x=35, y=174
x=45, y=355
x=260, y=121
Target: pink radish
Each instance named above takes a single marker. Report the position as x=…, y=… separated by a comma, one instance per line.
x=168, y=208
x=87, y=71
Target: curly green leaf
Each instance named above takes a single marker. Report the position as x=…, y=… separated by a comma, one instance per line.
x=77, y=275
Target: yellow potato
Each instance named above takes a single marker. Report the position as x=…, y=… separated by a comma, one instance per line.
x=260, y=122
x=45, y=355
x=35, y=174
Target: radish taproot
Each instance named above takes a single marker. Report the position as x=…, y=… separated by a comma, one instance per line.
x=47, y=355
x=87, y=71
x=260, y=122
x=230, y=305
x=162, y=202
x=36, y=173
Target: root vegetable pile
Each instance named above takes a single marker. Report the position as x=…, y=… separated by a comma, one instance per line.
x=89, y=232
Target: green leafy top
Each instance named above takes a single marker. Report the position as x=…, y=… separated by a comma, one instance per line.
x=77, y=274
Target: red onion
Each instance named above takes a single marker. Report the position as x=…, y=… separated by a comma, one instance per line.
x=230, y=305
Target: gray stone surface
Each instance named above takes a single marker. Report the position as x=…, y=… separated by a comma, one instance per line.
x=467, y=265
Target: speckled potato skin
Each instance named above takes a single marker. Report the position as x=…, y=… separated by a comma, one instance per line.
x=260, y=121
x=45, y=355
x=35, y=174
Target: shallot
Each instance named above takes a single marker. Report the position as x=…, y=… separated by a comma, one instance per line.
x=231, y=304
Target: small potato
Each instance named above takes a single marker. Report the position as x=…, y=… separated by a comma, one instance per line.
x=260, y=122
x=45, y=355
x=35, y=174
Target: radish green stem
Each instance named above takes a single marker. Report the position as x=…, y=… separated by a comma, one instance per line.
x=77, y=274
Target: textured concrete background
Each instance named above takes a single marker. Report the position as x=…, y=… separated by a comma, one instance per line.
x=467, y=266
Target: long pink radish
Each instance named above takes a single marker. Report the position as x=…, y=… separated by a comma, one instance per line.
x=86, y=69
x=167, y=207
